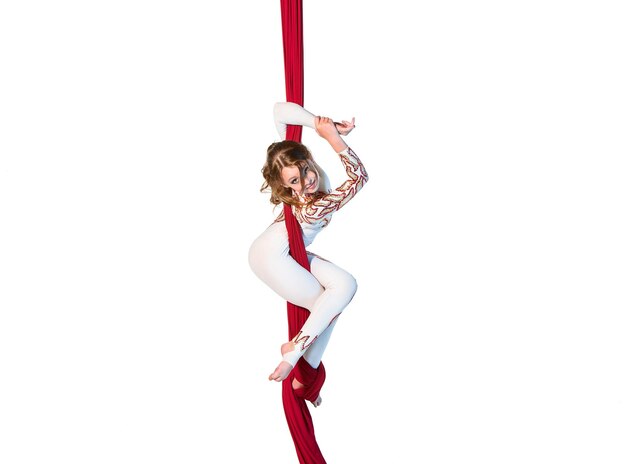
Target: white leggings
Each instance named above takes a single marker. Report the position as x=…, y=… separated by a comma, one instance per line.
x=325, y=291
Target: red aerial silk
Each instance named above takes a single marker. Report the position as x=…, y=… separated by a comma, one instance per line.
x=296, y=411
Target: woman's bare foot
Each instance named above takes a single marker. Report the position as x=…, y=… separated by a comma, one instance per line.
x=296, y=385
x=284, y=368
x=281, y=372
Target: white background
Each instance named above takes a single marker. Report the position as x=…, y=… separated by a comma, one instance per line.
x=488, y=245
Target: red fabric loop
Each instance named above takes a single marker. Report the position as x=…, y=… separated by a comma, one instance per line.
x=311, y=378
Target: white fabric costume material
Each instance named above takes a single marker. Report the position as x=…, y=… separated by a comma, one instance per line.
x=291, y=113
x=327, y=289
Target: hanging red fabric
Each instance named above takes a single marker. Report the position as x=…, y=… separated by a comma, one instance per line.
x=296, y=411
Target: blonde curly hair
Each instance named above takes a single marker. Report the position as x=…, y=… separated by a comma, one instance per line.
x=286, y=154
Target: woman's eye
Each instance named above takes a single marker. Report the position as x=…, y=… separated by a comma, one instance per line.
x=295, y=181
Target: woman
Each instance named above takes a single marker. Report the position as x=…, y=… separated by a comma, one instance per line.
x=295, y=179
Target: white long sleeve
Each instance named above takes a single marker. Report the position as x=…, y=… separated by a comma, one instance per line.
x=293, y=114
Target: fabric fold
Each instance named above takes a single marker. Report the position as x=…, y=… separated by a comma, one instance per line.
x=296, y=411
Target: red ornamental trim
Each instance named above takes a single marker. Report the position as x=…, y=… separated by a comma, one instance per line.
x=328, y=204
x=297, y=339
x=333, y=320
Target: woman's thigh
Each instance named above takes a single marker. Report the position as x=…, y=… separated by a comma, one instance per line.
x=281, y=272
x=293, y=282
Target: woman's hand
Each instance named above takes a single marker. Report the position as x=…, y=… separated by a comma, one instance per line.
x=345, y=127
x=325, y=127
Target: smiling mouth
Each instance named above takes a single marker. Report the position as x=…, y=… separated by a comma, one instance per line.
x=311, y=185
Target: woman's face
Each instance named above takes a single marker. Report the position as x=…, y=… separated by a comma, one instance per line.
x=291, y=179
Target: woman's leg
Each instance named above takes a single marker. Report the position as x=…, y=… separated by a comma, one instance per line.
x=339, y=289
x=314, y=353
x=270, y=260
x=325, y=292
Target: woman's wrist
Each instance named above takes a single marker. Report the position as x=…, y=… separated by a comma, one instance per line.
x=337, y=143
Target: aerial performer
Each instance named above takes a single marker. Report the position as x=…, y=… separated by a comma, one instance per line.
x=296, y=181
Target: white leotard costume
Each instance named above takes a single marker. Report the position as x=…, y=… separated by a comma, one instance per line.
x=327, y=289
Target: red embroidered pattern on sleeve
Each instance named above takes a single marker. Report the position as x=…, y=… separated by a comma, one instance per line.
x=331, y=202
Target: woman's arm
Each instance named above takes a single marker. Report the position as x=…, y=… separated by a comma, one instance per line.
x=292, y=114
x=337, y=198
x=355, y=171
x=295, y=115
x=325, y=127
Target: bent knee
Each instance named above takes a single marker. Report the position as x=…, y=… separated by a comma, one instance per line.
x=349, y=286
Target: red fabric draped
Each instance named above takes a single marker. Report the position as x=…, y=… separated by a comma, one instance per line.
x=296, y=411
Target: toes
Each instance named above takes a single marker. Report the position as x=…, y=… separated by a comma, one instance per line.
x=281, y=372
x=277, y=375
